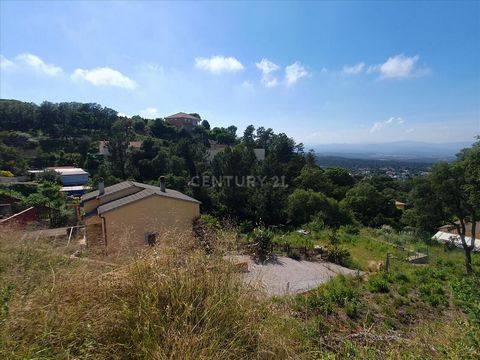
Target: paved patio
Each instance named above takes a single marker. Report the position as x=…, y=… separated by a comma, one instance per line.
x=284, y=275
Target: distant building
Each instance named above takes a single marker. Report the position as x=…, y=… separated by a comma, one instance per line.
x=182, y=121
x=449, y=234
x=216, y=148
x=130, y=215
x=71, y=175
x=74, y=180
x=259, y=154
x=103, y=146
x=400, y=205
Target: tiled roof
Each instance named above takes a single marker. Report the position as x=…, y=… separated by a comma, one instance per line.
x=108, y=190
x=147, y=192
x=182, y=115
x=144, y=190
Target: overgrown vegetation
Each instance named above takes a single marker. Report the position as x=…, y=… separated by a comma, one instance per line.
x=174, y=301
x=162, y=305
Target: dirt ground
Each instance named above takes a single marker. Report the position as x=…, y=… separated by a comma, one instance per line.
x=284, y=275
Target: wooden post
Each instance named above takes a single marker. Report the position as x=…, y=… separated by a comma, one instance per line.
x=387, y=263
x=70, y=236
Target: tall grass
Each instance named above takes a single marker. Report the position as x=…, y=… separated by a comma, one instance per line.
x=166, y=304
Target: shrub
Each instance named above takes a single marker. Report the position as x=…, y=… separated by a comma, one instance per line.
x=467, y=293
x=403, y=290
x=378, y=284
x=352, y=308
x=294, y=254
x=6, y=173
x=402, y=277
x=262, y=241
x=350, y=229
x=339, y=291
x=337, y=254
x=434, y=294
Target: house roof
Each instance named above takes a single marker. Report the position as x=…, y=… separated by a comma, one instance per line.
x=144, y=190
x=182, y=115
x=68, y=171
x=448, y=228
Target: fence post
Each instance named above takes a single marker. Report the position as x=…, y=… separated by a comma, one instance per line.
x=387, y=263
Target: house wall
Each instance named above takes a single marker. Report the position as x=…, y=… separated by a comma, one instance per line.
x=180, y=123
x=79, y=179
x=126, y=226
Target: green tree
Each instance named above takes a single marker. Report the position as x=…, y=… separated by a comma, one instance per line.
x=451, y=194
x=303, y=205
x=370, y=207
x=49, y=196
x=205, y=124
x=314, y=178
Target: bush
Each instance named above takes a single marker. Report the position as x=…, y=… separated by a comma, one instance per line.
x=262, y=241
x=294, y=254
x=467, y=294
x=434, y=294
x=352, y=308
x=379, y=284
x=339, y=291
x=403, y=290
x=338, y=255
x=350, y=229
x=6, y=173
x=205, y=228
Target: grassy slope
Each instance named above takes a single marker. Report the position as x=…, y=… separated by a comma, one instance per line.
x=165, y=307
x=161, y=306
x=413, y=312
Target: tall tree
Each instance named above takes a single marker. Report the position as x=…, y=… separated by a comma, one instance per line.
x=451, y=193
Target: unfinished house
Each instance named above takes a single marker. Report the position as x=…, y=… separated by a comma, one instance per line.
x=131, y=215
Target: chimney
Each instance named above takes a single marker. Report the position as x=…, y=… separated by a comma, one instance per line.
x=162, y=183
x=101, y=187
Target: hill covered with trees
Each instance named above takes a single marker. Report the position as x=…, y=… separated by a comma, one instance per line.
x=49, y=134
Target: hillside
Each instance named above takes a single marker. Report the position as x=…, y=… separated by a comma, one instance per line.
x=182, y=302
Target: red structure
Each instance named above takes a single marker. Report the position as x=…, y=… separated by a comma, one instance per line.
x=21, y=219
x=182, y=121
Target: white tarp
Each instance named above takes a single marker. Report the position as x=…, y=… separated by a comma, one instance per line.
x=445, y=237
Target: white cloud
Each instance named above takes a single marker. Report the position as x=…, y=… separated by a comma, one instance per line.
x=6, y=64
x=389, y=122
x=104, y=76
x=353, y=70
x=399, y=67
x=218, y=64
x=294, y=72
x=149, y=113
x=267, y=67
x=31, y=62
x=38, y=64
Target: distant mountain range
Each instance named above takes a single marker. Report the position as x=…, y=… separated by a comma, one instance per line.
x=399, y=150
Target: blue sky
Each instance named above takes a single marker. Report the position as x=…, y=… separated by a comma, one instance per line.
x=321, y=72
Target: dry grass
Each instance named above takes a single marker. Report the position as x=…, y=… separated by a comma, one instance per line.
x=170, y=304
x=174, y=302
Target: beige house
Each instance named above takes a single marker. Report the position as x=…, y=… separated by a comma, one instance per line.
x=103, y=146
x=130, y=215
